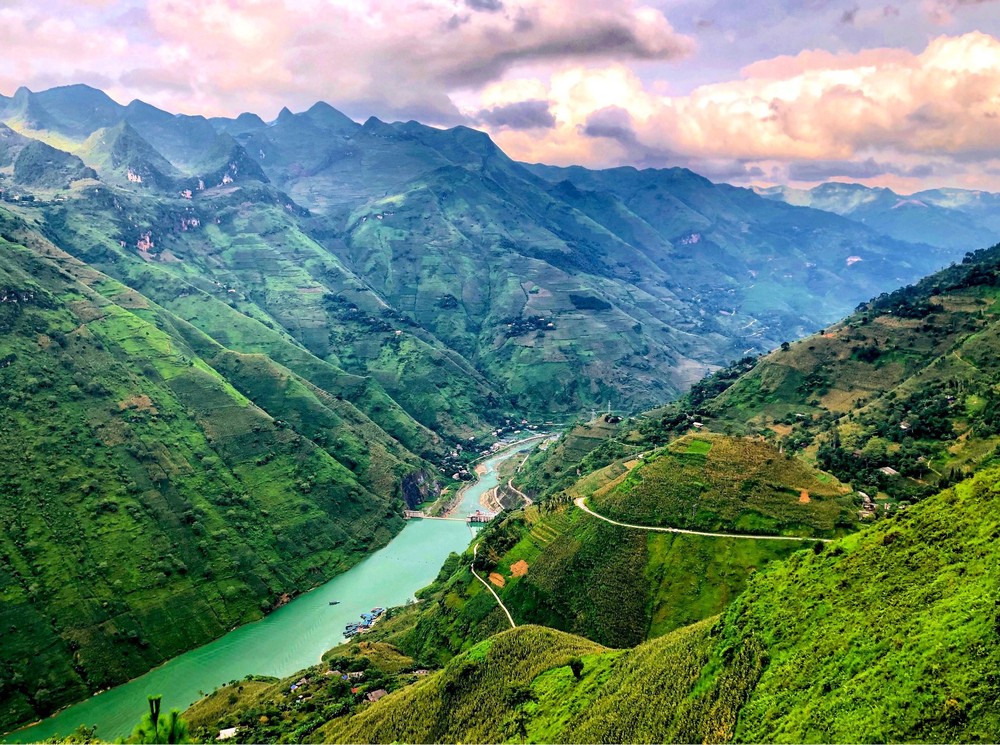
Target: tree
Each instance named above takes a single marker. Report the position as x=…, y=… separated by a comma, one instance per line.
x=153, y=728
x=576, y=665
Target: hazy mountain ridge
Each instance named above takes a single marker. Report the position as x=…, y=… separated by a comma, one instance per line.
x=941, y=217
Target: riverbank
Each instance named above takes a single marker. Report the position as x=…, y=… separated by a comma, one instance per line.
x=451, y=507
x=291, y=638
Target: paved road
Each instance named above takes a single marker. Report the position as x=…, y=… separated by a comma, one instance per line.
x=581, y=503
x=475, y=550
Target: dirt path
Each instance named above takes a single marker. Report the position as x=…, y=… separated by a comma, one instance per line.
x=528, y=501
x=581, y=503
x=472, y=567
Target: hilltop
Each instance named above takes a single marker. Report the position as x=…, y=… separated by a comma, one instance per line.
x=716, y=483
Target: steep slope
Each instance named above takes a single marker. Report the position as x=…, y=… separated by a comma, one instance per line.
x=529, y=287
x=897, y=398
x=148, y=505
x=236, y=263
x=123, y=157
x=796, y=658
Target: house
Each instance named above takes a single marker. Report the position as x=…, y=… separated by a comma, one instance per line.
x=225, y=734
x=356, y=676
x=889, y=471
x=376, y=695
x=421, y=672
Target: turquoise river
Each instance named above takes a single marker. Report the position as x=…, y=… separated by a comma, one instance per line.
x=291, y=638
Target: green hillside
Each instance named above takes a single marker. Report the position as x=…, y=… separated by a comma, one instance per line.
x=468, y=286
x=886, y=635
x=715, y=483
x=157, y=488
x=898, y=399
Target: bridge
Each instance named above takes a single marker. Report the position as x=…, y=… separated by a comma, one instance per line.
x=476, y=517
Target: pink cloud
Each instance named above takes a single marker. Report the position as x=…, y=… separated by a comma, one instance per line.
x=899, y=106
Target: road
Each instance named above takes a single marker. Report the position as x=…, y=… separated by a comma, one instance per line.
x=475, y=550
x=581, y=503
x=528, y=501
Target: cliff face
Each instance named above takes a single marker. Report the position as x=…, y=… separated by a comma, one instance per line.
x=418, y=487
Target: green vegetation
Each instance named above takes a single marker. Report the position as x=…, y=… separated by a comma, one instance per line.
x=903, y=609
x=564, y=569
x=271, y=710
x=716, y=483
x=896, y=400
x=147, y=505
x=154, y=728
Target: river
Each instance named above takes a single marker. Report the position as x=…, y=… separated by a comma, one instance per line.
x=292, y=637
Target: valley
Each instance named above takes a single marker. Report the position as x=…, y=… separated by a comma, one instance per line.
x=293, y=636
x=249, y=368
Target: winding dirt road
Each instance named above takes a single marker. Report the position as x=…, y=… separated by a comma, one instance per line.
x=581, y=503
x=472, y=567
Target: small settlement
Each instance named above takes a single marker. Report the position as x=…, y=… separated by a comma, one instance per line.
x=367, y=621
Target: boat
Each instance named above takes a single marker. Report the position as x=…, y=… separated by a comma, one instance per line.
x=334, y=602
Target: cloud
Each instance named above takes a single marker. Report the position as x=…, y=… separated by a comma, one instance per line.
x=488, y=6
x=877, y=113
x=823, y=170
x=397, y=56
x=942, y=12
x=532, y=114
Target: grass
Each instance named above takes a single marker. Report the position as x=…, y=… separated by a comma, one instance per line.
x=716, y=483
x=903, y=609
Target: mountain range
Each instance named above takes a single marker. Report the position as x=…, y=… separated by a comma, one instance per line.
x=231, y=350
x=525, y=287
x=886, y=633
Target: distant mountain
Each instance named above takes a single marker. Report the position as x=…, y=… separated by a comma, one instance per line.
x=940, y=217
x=556, y=288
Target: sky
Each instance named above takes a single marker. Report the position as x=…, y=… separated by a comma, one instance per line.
x=898, y=93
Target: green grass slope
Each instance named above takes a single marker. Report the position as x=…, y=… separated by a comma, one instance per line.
x=716, y=483
x=562, y=568
x=147, y=504
x=899, y=399
x=887, y=635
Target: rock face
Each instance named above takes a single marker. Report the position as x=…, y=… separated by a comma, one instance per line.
x=418, y=487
